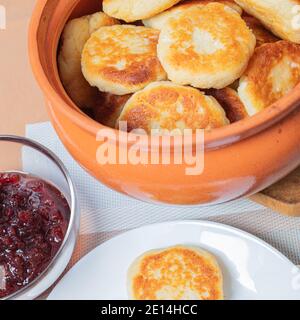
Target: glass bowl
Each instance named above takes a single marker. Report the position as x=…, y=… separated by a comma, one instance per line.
x=26, y=156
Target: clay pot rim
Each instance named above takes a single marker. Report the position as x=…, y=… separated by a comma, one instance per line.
x=213, y=139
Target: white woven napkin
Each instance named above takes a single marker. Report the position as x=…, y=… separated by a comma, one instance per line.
x=106, y=213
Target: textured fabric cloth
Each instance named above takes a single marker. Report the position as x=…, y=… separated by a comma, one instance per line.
x=106, y=213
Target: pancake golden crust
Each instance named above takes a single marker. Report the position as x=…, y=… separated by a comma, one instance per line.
x=261, y=33
x=158, y=21
x=206, y=47
x=122, y=59
x=73, y=39
x=230, y=102
x=108, y=108
x=176, y=273
x=277, y=16
x=167, y=106
x=272, y=72
x=132, y=10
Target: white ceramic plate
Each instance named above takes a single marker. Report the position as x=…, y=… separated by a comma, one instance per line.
x=252, y=269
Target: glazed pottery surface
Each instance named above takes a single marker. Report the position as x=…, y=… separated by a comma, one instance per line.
x=239, y=159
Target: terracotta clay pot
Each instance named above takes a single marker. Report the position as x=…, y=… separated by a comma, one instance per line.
x=240, y=159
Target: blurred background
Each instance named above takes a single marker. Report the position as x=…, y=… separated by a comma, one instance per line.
x=21, y=100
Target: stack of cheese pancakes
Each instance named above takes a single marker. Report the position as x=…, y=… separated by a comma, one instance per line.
x=175, y=65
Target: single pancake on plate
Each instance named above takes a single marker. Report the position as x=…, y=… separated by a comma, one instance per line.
x=279, y=16
x=175, y=273
x=166, y=107
x=206, y=47
x=108, y=107
x=273, y=71
x=133, y=10
x=230, y=102
x=261, y=33
x=122, y=59
x=73, y=39
x=158, y=21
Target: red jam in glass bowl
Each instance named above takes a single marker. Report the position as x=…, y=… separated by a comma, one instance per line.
x=34, y=218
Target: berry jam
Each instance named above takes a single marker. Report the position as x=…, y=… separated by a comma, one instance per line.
x=34, y=218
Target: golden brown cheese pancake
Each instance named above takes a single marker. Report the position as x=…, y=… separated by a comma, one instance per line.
x=74, y=37
x=279, y=16
x=176, y=273
x=230, y=102
x=273, y=71
x=207, y=47
x=261, y=33
x=165, y=106
x=108, y=107
x=132, y=10
x=158, y=21
x=122, y=59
